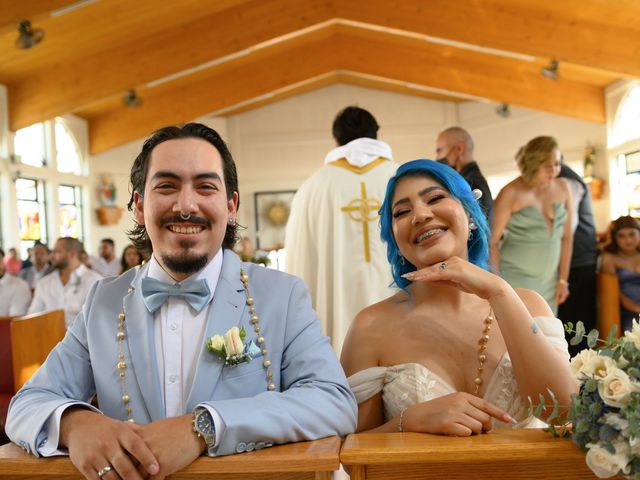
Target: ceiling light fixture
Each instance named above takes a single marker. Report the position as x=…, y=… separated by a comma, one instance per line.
x=503, y=110
x=131, y=99
x=28, y=35
x=551, y=70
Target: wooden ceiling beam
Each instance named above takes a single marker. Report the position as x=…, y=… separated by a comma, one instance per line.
x=67, y=86
x=408, y=64
x=471, y=74
x=223, y=87
x=574, y=31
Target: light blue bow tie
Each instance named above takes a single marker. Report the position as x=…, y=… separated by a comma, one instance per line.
x=155, y=293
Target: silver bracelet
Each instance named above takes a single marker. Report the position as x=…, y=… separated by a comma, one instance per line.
x=400, y=427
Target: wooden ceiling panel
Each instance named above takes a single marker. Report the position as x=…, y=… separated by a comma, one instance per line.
x=545, y=29
x=509, y=81
x=187, y=58
x=103, y=26
x=12, y=12
x=290, y=66
x=67, y=86
x=210, y=93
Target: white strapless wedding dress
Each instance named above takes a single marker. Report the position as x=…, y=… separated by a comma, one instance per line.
x=410, y=383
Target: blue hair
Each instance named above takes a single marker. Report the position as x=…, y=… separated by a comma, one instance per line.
x=457, y=186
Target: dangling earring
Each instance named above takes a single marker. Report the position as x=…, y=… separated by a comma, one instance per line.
x=402, y=261
x=472, y=227
x=231, y=221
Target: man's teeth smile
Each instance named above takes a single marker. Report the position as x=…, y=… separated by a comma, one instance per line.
x=428, y=234
x=183, y=229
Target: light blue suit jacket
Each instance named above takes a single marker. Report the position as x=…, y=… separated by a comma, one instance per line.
x=312, y=398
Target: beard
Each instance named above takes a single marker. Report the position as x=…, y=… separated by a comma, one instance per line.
x=185, y=262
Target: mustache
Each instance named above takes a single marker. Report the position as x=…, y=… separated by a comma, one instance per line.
x=192, y=221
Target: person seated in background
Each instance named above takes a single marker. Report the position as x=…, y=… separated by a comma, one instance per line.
x=15, y=293
x=162, y=347
x=12, y=263
x=68, y=285
x=40, y=265
x=130, y=258
x=106, y=263
x=532, y=231
x=457, y=350
x=621, y=257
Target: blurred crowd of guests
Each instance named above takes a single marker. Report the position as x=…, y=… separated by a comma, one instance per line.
x=59, y=278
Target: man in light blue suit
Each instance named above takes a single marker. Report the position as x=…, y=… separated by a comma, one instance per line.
x=197, y=350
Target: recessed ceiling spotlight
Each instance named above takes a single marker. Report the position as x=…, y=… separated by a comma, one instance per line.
x=551, y=70
x=29, y=36
x=503, y=110
x=131, y=99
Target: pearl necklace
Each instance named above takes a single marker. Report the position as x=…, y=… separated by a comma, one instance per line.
x=482, y=356
x=254, y=319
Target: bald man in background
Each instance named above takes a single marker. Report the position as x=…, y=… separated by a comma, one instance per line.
x=454, y=147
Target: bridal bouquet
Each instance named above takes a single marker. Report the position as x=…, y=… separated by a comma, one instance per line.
x=606, y=412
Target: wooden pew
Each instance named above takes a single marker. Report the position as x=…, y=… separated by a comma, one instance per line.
x=32, y=338
x=300, y=461
x=500, y=454
x=608, y=303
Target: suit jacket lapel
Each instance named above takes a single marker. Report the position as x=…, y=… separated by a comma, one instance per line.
x=225, y=312
x=142, y=351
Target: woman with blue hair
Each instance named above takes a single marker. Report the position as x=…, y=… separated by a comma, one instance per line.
x=456, y=350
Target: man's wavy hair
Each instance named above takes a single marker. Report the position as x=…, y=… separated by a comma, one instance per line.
x=457, y=186
x=138, y=178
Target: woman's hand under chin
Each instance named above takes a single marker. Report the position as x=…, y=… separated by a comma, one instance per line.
x=463, y=275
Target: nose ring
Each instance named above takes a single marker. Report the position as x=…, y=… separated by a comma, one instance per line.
x=185, y=217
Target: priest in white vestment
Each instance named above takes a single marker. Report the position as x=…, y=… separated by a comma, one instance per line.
x=333, y=236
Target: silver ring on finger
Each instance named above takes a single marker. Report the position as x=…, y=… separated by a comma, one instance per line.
x=442, y=266
x=103, y=471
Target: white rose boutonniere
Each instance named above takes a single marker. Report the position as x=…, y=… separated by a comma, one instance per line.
x=230, y=347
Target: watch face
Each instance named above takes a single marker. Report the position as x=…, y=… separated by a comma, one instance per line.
x=204, y=423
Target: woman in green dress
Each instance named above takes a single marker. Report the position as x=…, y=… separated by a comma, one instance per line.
x=531, y=237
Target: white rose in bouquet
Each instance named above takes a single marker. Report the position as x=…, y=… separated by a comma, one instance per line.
x=599, y=366
x=605, y=464
x=578, y=363
x=633, y=336
x=615, y=389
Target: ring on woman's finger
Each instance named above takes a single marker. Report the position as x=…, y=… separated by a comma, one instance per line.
x=103, y=471
x=442, y=266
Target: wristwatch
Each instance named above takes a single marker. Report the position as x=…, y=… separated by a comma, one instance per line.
x=204, y=427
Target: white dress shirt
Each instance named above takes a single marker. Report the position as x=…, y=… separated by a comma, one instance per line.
x=179, y=340
x=15, y=296
x=51, y=294
x=106, y=268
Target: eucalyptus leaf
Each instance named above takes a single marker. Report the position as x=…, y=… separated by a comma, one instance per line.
x=554, y=413
x=580, y=332
x=612, y=334
x=592, y=338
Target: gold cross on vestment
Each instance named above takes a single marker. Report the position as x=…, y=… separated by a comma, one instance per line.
x=363, y=210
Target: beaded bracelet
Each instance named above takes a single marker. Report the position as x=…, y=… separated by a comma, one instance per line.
x=564, y=282
x=400, y=428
